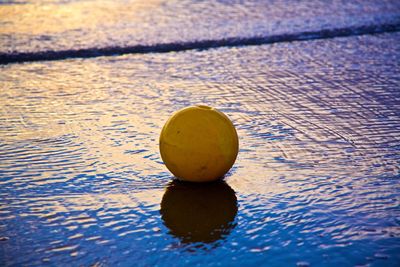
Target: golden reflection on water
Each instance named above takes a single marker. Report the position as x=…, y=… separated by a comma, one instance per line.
x=114, y=116
x=44, y=18
x=106, y=115
x=101, y=120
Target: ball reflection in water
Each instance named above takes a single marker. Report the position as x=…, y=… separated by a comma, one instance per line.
x=199, y=212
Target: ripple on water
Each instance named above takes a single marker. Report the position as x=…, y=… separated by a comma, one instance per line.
x=50, y=25
x=315, y=181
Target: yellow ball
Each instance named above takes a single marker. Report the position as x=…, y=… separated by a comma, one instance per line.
x=199, y=144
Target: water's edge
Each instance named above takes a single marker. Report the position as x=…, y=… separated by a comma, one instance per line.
x=20, y=57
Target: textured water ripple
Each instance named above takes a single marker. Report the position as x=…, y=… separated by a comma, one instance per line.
x=316, y=181
x=19, y=57
x=113, y=26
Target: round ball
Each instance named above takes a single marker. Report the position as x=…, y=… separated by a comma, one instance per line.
x=199, y=144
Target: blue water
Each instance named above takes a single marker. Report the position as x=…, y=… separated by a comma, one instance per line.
x=316, y=182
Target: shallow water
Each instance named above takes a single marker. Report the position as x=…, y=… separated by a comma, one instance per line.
x=48, y=25
x=315, y=183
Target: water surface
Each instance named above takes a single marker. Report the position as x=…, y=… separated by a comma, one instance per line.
x=315, y=183
x=48, y=25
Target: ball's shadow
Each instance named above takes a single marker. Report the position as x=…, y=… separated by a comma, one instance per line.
x=199, y=212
